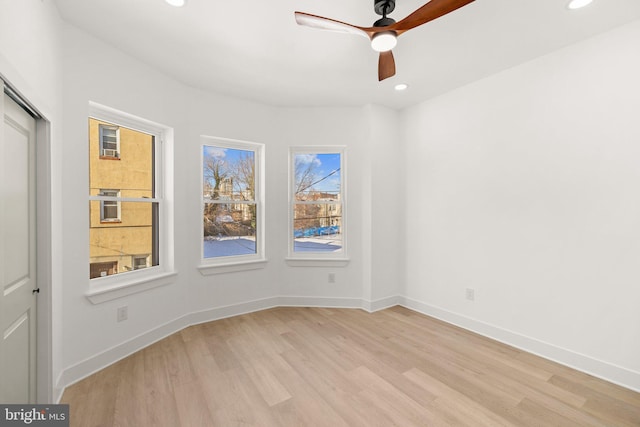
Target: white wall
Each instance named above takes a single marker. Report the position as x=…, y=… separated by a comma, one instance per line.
x=325, y=126
x=95, y=71
x=524, y=187
x=521, y=186
x=385, y=235
x=30, y=53
x=30, y=49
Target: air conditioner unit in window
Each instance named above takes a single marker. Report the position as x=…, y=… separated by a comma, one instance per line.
x=110, y=152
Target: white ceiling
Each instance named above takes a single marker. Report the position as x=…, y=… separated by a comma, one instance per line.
x=253, y=49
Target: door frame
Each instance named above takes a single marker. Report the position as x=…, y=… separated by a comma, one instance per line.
x=44, y=313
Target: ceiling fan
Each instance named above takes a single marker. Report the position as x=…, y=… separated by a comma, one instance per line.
x=385, y=30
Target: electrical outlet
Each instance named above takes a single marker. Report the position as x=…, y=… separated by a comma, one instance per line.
x=332, y=278
x=471, y=294
x=123, y=313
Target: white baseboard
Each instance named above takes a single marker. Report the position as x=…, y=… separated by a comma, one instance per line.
x=108, y=357
x=382, y=303
x=231, y=310
x=100, y=361
x=329, y=302
x=598, y=368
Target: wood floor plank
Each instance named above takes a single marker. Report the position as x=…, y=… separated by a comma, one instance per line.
x=78, y=394
x=391, y=400
x=334, y=387
x=456, y=401
x=255, y=363
x=177, y=360
x=237, y=401
x=193, y=410
x=130, y=393
x=102, y=404
x=603, y=405
x=532, y=414
x=159, y=396
x=342, y=367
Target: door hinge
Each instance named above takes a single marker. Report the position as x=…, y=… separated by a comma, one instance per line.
x=36, y=291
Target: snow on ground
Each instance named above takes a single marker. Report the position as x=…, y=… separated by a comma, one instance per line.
x=232, y=246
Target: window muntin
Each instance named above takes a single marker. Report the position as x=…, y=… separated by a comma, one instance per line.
x=231, y=201
x=123, y=201
x=317, y=202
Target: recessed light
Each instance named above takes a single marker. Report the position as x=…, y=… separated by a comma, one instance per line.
x=176, y=3
x=577, y=4
x=401, y=86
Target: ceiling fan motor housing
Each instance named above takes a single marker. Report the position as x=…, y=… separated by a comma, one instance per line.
x=384, y=22
x=380, y=5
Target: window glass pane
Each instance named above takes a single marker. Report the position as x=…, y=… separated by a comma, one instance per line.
x=229, y=217
x=140, y=261
x=110, y=207
x=109, y=138
x=228, y=174
x=317, y=176
x=317, y=202
x=109, y=210
x=229, y=229
x=109, y=141
x=317, y=227
x=133, y=172
x=115, y=247
x=124, y=236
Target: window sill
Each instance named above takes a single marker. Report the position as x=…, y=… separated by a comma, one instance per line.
x=317, y=262
x=98, y=295
x=232, y=267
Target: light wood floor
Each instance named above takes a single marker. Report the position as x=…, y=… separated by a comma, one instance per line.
x=341, y=367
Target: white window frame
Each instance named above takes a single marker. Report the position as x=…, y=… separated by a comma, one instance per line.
x=311, y=259
x=107, y=288
x=108, y=198
x=103, y=151
x=230, y=264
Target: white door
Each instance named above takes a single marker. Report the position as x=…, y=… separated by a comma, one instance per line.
x=17, y=254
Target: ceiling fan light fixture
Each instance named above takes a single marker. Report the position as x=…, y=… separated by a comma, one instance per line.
x=384, y=41
x=577, y=4
x=384, y=31
x=401, y=86
x=176, y=3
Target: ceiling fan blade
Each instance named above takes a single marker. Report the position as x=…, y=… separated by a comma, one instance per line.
x=386, y=65
x=430, y=11
x=328, y=24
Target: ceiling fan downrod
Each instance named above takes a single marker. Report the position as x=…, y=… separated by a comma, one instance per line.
x=382, y=7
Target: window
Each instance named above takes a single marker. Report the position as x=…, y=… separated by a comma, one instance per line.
x=317, y=203
x=110, y=208
x=129, y=220
x=232, y=221
x=102, y=269
x=140, y=261
x=109, y=141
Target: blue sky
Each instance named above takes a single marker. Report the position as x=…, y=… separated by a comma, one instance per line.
x=228, y=154
x=325, y=163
